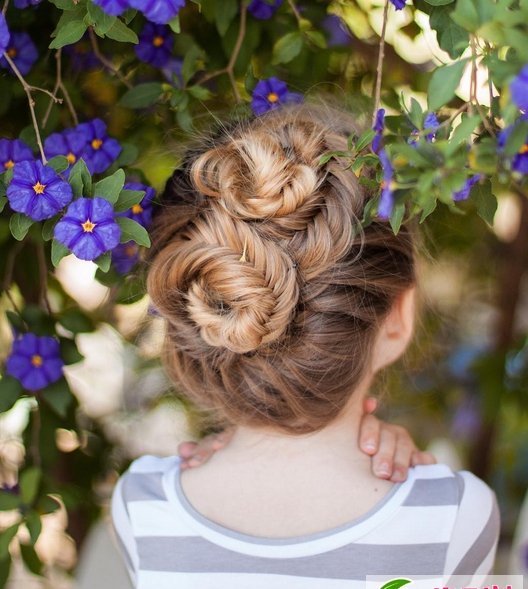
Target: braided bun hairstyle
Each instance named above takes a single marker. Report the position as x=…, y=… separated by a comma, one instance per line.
x=271, y=291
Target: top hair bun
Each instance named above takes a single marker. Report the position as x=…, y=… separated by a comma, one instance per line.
x=260, y=175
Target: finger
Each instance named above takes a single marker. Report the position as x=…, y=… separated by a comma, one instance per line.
x=369, y=431
x=419, y=458
x=370, y=404
x=201, y=453
x=186, y=449
x=402, y=457
x=383, y=460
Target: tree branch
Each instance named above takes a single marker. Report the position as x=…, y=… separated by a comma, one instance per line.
x=60, y=85
x=106, y=62
x=295, y=10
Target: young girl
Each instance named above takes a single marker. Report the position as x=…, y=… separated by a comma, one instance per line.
x=279, y=311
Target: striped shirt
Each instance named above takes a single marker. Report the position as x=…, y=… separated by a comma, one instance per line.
x=437, y=523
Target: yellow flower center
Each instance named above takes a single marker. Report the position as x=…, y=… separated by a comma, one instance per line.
x=37, y=361
x=158, y=41
x=130, y=251
x=524, y=148
x=96, y=143
x=71, y=158
x=39, y=188
x=88, y=226
x=9, y=164
x=136, y=209
x=272, y=97
x=12, y=52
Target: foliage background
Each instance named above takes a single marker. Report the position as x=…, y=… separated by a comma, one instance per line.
x=466, y=379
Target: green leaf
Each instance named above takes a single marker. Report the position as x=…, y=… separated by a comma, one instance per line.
x=110, y=187
x=58, y=251
x=69, y=352
x=225, y=12
x=485, y=201
x=64, y=4
x=58, y=396
x=19, y=225
x=396, y=217
x=365, y=139
x=59, y=163
x=466, y=15
x=6, y=536
x=30, y=559
x=10, y=391
x=16, y=322
x=70, y=34
x=250, y=81
x=76, y=321
x=34, y=526
x=80, y=179
x=49, y=226
x=396, y=583
x=317, y=38
x=9, y=500
x=47, y=505
x=189, y=63
x=200, y=92
x=132, y=231
x=143, y=95
x=3, y=202
x=5, y=570
x=443, y=84
x=127, y=199
x=184, y=119
x=464, y=130
x=174, y=24
x=29, y=484
x=120, y=32
x=128, y=155
x=287, y=48
x=128, y=15
x=104, y=261
x=98, y=17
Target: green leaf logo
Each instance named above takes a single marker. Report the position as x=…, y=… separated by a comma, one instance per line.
x=396, y=584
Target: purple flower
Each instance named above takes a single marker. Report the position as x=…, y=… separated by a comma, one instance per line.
x=155, y=44
x=271, y=94
x=125, y=256
x=158, y=11
x=519, y=89
x=101, y=151
x=13, y=151
x=81, y=55
x=142, y=212
x=173, y=71
x=398, y=4
x=4, y=34
x=22, y=51
x=37, y=190
x=113, y=7
x=379, y=127
x=463, y=193
x=70, y=143
x=520, y=160
x=338, y=33
x=88, y=229
x=431, y=124
x=387, y=193
x=26, y=3
x=263, y=10
x=35, y=361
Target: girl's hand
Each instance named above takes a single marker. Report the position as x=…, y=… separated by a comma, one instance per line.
x=391, y=447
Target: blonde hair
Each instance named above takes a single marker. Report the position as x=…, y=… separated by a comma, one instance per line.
x=271, y=291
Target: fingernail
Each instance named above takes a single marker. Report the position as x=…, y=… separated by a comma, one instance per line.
x=369, y=445
x=397, y=476
x=383, y=469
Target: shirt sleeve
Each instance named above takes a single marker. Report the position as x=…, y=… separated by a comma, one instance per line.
x=472, y=548
x=123, y=530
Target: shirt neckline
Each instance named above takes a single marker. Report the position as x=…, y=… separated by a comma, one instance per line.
x=307, y=545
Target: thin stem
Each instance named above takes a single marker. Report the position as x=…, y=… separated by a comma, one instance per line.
x=458, y=111
x=295, y=10
x=473, y=89
x=4, y=9
x=28, y=89
x=381, y=55
x=60, y=85
x=106, y=62
x=35, y=436
x=231, y=65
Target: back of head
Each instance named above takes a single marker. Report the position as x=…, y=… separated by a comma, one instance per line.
x=272, y=292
